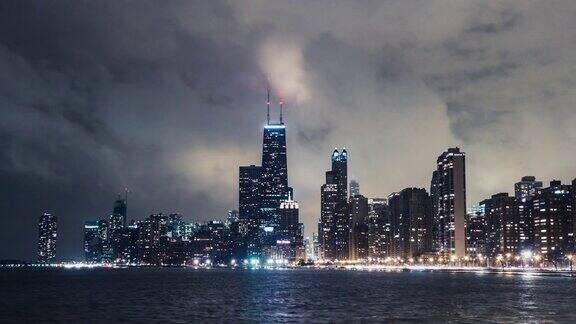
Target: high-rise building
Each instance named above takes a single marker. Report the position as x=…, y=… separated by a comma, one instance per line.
x=359, y=227
x=247, y=231
x=334, y=213
x=379, y=228
x=524, y=191
x=289, y=244
x=448, y=191
x=502, y=225
x=554, y=220
x=273, y=180
x=411, y=222
x=354, y=188
x=476, y=231
x=47, y=236
x=91, y=242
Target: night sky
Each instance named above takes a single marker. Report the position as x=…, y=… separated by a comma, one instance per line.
x=167, y=98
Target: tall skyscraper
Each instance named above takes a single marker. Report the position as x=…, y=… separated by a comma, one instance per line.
x=334, y=213
x=448, y=190
x=273, y=179
x=47, y=237
x=265, y=187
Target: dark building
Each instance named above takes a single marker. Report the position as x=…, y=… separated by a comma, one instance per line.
x=334, y=213
x=47, y=237
x=476, y=234
x=247, y=231
x=152, y=241
x=524, y=192
x=359, y=228
x=211, y=243
x=411, y=222
x=290, y=242
x=502, y=225
x=553, y=214
x=448, y=194
x=379, y=228
x=92, y=248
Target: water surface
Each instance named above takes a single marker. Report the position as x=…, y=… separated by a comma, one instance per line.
x=188, y=295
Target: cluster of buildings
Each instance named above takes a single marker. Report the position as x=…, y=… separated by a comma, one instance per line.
x=411, y=225
x=407, y=224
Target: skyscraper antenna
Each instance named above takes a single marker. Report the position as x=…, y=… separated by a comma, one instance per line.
x=281, y=105
x=268, y=104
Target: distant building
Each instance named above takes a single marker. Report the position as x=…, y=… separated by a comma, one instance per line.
x=354, y=188
x=524, y=191
x=92, y=248
x=502, y=225
x=554, y=219
x=379, y=228
x=411, y=222
x=334, y=212
x=289, y=244
x=247, y=231
x=47, y=237
x=476, y=234
x=359, y=227
x=448, y=193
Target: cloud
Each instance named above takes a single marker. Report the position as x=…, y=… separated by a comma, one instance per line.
x=168, y=99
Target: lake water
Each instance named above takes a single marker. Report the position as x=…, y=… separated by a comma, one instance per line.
x=188, y=295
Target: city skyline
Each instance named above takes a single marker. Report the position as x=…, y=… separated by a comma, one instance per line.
x=166, y=99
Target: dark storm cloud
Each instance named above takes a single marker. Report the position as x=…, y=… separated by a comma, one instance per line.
x=166, y=98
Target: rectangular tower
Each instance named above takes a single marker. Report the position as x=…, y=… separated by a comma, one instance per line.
x=448, y=191
x=47, y=236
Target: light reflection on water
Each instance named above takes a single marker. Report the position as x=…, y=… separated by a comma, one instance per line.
x=187, y=295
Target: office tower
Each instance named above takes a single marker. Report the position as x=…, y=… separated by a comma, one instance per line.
x=354, y=188
x=476, y=234
x=152, y=237
x=273, y=180
x=502, y=225
x=290, y=235
x=524, y=192
x=334, y=213
x=359, y=227
x=47, y=237
x=248, y=213
x=553, y=214
x=448, y=191
x=379, y=231
x=411, y=222
x=91, y=242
